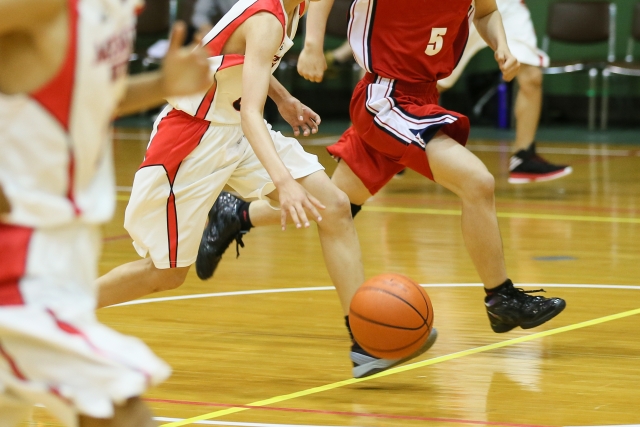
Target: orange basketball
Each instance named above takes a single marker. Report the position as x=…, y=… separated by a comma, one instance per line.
x=391, y=316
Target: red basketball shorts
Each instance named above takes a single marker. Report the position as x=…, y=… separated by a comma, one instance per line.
x=392, y=123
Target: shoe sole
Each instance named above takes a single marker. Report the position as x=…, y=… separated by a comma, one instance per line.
x=538, y=322
x=540, y=178
x=379, y=365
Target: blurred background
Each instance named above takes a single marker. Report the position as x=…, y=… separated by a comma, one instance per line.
x=592, y=104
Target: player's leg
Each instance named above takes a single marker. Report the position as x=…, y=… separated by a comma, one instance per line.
x=528, y=106
x=338, y=237
x=136, y=279
x=133, y=413
x=460, y=171
x=525, y=164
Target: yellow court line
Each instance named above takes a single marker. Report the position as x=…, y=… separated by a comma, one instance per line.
x=404, y=368
x=453, y=212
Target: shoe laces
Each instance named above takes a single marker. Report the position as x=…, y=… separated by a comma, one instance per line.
x=523, y=294
x=239, y=243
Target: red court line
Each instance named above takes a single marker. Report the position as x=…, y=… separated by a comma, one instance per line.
x=343, y=413
x=114, y=238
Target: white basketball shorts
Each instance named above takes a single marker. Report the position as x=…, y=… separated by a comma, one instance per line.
x=53, y=350
x=521, y=38
x=187, y=164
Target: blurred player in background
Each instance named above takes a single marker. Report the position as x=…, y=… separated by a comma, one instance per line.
x=525, y=165
x=63, y=77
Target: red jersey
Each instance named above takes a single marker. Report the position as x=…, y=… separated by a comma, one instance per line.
x=408, y=40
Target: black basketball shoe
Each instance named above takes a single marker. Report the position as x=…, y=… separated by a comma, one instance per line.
x=365, y=364
x=511, y=307
x=222, y=229
x=526, y=166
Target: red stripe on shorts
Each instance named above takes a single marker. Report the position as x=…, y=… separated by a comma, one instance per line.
x=172, y=230
x=177, y=136
x=14, y=248
x=12, y=364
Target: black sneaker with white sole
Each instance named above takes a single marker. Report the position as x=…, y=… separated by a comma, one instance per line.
x=511, y=307
x=365, y=364
x=526, y=166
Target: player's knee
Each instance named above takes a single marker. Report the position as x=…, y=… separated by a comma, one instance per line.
x=169, y=278
x=338, y=206
x=530, y=79
x=484, y=185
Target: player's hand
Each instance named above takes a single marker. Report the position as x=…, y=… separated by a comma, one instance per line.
x=312, y=64
x=295, y=201
x=509, y=65
x=185, y=69
x=299, y=116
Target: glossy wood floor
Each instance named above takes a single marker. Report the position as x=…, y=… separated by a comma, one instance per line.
x=579, y=237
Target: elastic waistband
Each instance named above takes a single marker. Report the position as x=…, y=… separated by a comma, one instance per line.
x=409, y=88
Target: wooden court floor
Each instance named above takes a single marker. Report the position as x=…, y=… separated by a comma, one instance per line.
x=263, y=343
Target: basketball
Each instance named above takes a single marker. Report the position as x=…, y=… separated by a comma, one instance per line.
x=391, y=316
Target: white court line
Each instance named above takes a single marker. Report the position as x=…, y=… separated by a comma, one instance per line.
x=331, y=288
x=225, y=294
x=234, y=424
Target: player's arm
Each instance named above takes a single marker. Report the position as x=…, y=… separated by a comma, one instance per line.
x=311, y=63
x=5, y=207
x=185, y=70
x=263, y=36
x=292, y=110
x=488, y=22
x=23, y=14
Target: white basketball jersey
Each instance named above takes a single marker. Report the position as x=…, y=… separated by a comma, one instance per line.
x=221, y=103
x=56, y=162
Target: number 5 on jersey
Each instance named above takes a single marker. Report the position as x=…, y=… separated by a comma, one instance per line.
x=436, y=41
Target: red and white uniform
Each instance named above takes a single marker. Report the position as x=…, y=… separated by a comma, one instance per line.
x=197, y=147
x=521, y=38
x=56, y=169
x=406, y=47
